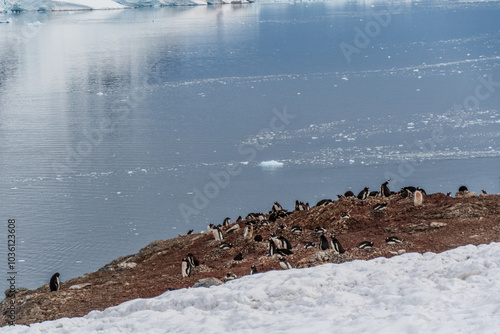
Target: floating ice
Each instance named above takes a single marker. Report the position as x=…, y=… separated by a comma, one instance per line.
x=271, y=164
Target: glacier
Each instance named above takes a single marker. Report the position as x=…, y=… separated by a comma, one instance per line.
x=68, y=5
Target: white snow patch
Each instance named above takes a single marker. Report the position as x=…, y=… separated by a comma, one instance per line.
x=457, y=291
x=271, y=163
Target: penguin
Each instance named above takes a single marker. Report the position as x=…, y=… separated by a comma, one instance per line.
x=284, y=251
x=364, y=193
x=284, y=243
x=309, y=244
x=393, y=240
x=277, y=207
x=345, y=215
x=225, y=246
x=319, y=229
x=384, y=189
x=307, y=207
x=185, y=268
x=258, y=238
x=373, y=194
x=229, y=276
x=284, y=264
x=253, y=270
x=418, y=198
x=379, y=207
x=238, y=257
x=239, y=219
x=226, y=221
x=324, y=202
x=54, y=284
x=210, y=227
x=336, y=246
x=248, y=232
x=272, y=247
x=233, y=228
x=349, y=194
x=264, y=223
x=365, y=245
x=190, y=231
x=463, y=189
x=323, y=242
x=193, y=261
x=296, y=229
x=448, y=194
x=218, y=234
x=484, y=192
x=281, y=226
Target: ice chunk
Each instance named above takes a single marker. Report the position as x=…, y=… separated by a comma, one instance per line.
x=271, y=164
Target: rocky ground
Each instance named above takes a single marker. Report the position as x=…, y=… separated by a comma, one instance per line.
x=441, y=223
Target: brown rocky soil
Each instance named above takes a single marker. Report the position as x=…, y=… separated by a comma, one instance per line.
x=441, y=223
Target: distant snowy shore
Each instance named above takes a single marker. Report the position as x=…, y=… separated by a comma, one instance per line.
x=457, y=291
x=68, y=5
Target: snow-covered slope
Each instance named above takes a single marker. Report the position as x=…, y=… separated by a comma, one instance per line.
x=453, y=292
x=48, y=5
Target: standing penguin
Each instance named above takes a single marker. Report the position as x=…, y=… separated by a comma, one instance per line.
x=272, y=247
x=193, y=261
x=185, y=268
x=364, y=193
x=226, y=221
x=254, y=270
x=323, y=242
x=337, y=247
x=54, y=282
x=218, y=234
x=384, y=189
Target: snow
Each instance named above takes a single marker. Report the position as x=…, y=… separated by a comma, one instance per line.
x=271, y=164
x=457, y=291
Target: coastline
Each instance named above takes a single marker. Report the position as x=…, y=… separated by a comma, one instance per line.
x=439, y=224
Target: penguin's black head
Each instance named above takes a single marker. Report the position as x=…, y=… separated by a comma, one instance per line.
x=56, y=275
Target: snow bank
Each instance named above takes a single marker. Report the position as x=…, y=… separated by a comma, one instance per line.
x=49, y=5
x=271, y=164
x=453, y=292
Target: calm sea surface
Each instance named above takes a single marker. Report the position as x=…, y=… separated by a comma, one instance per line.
x=118, y=128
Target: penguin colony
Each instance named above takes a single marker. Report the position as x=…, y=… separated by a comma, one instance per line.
x=270, y=233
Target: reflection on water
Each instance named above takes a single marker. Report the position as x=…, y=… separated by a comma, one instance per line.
x=109, y=120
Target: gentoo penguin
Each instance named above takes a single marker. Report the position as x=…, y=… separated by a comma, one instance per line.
x=190, y=231
x=185, y=268
x=272, y=247
x=319, y=229
x=238, y=257
x=364, y=193
x=226, y=221
x=365, y=245
x=248, y=232
x=229, y=276
x=284, y=264
x=54, y=282
x=253, y=270
x=484, y=192
x=349, y=194
x=384, y=189
x=277, y=207
x=225, y=246
x=392, y=240
x=418, y=198
x=323, y=242
x=264, y=223
x=284, y=243
x=296, y=229
x=309, y=244
x=336, y=246
x=448, y=194
x=193, y=261
x=379, y=207
x=239, y=219
x=462, y=189
x=324, y=202
x=218, y=234
x=373, y=194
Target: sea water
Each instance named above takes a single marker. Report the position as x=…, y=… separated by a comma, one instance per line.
x=122, y=127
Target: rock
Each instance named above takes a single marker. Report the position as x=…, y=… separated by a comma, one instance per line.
x=10, y=293
x=126, y=265
x=207, y=282
x=437, y=225
x=79, y=286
